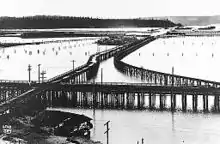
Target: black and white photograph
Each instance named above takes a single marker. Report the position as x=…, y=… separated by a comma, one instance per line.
x=109, y=72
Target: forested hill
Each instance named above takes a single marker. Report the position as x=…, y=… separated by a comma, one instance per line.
x=45, y=22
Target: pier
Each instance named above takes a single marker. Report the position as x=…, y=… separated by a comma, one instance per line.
x=72, y=87
x=116, y=96
x=130, y=96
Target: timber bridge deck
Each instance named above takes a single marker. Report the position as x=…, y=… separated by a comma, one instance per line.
x=73, y=85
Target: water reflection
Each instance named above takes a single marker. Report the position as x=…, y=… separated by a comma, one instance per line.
x=155, y=127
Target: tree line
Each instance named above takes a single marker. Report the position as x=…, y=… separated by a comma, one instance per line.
x=46, y=22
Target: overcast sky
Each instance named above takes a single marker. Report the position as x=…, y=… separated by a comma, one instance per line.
x=110, y=8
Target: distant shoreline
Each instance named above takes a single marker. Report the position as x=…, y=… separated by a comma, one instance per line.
x=51, y=22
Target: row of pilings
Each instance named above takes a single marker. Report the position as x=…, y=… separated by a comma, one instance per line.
x=9, y=92
x=78, y=75
x=89, y=70
x=154, y=77
x=114, y=98
x=131, y=100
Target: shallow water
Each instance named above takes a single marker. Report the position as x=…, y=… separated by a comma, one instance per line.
x=190, y=56
x=111, y=74
x=130, y=126
x=155, y=127
x=55, y=58
x=163, y=127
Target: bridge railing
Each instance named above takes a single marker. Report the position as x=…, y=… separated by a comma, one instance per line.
x=162, y=73
x=66, y=73
x=122, y=66
x=94, y=58
x=133, y=84
x=90, y=60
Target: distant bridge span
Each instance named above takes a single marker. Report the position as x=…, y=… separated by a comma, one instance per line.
x=73, y=83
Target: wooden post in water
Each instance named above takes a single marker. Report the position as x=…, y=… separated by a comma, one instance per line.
x=133, y=100
x=216, y=103
x=161, y=101
x=205, y=102
x=116, y=97
x=172, y=100
x=143, y=100
x=79, y=78
x=101, y=76
x=123, y=100
x=138, y=101
x=153, y=100
x=150, y=102
x=102, y=99
x=85, y=97
x=74, y=98
x=173, y=96
x=51, y=99
x=183, y=101
x=105, y=100
x=94, y=97
x=194, y=102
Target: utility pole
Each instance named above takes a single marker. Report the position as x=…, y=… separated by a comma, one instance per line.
x=173, y=101
x=29, y=73
x=42, y=75
x=107, y=131
x=172, y=75
x=39, y=72
x=73, y=63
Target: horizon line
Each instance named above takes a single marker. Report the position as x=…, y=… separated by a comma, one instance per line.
x=99, y=17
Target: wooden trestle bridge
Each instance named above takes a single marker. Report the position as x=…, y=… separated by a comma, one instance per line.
x=72, y=88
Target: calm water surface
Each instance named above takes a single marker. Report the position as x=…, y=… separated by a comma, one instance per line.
x=128, y=127
x=200, y=59
x=190, y=56
x=55, y=58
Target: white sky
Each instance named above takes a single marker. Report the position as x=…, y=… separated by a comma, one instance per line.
x=110, y=8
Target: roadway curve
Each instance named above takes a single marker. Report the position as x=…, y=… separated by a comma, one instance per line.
x=151, y=76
